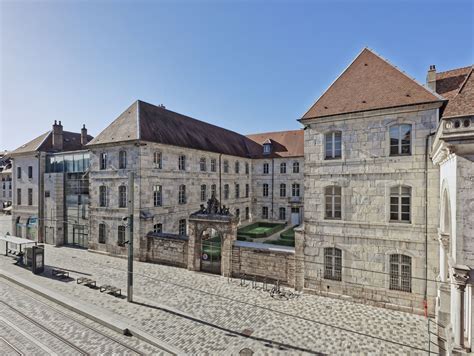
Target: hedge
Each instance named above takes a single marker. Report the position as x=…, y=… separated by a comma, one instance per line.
x=288, y=234
x=272, y=229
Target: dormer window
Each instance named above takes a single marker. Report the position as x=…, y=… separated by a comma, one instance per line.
x=267, y=147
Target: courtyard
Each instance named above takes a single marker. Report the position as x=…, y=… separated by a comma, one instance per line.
x=203, y=313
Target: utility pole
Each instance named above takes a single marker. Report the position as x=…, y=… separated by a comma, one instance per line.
x=131, y=179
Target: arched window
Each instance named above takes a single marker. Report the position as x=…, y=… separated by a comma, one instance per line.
x=102, y=233
x=283, y=168
x=102, y=196
x=121, y=235
x=333, y=145
x=226, y=166
x=400, y=272
x=400, y=203
x=296, y=167
x=122, y=196
x=400, y=140
x=333, y=263
x=332, y=197
x=122, y=159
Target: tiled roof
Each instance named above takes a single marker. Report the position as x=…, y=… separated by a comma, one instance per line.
x=284, y=143
x=370, y=83
x=44, y=143
x=147, y=122
x=458, y=86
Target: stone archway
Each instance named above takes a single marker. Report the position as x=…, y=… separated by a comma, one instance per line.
x=223, y=224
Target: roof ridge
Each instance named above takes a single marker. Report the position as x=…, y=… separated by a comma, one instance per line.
x=454, y=69
x=464, y=82
x=272, y=132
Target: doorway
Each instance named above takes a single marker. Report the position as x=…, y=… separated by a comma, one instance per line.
x=211, y=251
x=295, y=216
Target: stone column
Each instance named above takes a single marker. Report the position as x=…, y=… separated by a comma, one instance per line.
x=443, y=239
x=192, y=246
x=227, y=243
x=460, y=276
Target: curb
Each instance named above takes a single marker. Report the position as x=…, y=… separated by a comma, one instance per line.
x=94, y=313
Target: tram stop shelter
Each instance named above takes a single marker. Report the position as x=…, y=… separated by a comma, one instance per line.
x=19, y=241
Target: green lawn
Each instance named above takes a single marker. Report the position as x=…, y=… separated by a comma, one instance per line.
x=259, y=230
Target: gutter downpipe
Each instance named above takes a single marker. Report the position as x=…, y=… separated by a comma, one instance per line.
x=273, y=183
x=220, y=181
x=425, y=301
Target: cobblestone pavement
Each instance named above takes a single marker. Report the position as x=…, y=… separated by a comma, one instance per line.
x=201, y=313
x=32, y=325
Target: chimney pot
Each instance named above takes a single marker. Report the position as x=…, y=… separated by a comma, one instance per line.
x=431, y=78
x=83, y=135
x=58, y=139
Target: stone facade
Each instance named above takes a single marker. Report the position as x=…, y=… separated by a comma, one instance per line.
x=284, y=189
x=364, y=234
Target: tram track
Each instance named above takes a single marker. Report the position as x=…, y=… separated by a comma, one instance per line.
x=126, y=347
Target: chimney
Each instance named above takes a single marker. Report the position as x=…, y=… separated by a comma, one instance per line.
x=58, y=136
x=84, y=135
x=431, y=78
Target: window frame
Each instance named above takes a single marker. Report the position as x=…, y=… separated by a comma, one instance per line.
x=182, y=227
x=333, y=202
x=264, y=212
x=296, y=167
x=266, y=168
x=295, y=190
x=30, y=196
x=226, y=191
x=265, y=189
x=282, y=190
x=202, y=164
x=226, y=166
x=331, y=138
x=103, y=199
x=157, y=195
x=237, y=190
x=213, y=164
x=103, y=161
x=121, y=230
x=158, y=159
x=280, y=211
x=181, y=162
x=237, y=167
x=332, y=264
x=283, y=168
x=182, y=194
x=122, y=159
x=399, y=279
x=400, y=196
x=399, y=144
x=156, y=227
x=30, y=172
x=122, y=196
x=203, y=193
x=102, y=235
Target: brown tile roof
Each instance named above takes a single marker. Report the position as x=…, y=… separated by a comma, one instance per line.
x=284, y=143
x=458, y=86
x=147, y=122
x=44, y=143
x=369, y=83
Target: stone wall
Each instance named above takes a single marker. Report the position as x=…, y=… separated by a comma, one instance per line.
x=169, y=250
x=365, y=234
x=263, y=260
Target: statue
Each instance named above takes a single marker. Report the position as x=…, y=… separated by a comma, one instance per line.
x=213, y=208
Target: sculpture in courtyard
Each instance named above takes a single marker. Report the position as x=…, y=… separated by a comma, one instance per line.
x=213, y=208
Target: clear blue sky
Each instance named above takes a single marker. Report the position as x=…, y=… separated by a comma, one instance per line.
x=245, y=65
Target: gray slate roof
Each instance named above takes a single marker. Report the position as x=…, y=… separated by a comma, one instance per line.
x=44, y=143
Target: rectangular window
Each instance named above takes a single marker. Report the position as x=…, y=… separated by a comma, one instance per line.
x=400, y=140
x=213, y=190
x=247, y=213
x=264, y=212
x=226, y=166
x=30, y=172
x=247, y=190
x=247, y=168
x=157, y=195
x=296, y=167
x=400, y=204
x=158, y=228
x=103, y=160
x=30, y=196
x=102, y=237
x=237, y=190
x=122, y=159
x=282, y=190
x=18, y=196
x=265, y=168
x=203, y=192
x=283, y=168
x=102, y=196
x=213, y=165
x=202, y=164
x=333, y=263
x=333, y=146
x=237, y=213
x=18, y=172
x=226, y=191
x=237, y=167
x=182, y=194
x=157, y=160
x=295, y=190
x=121, y=235
x=182, y=163
x=182, y=227
x=122, y=196
x=282, y=213
x=265, y=190
x=333, y=202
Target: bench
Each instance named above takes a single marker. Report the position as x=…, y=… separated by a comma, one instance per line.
x=110, y=290
x=56, y=272
x=86, y=281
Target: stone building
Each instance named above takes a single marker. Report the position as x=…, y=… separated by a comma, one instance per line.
x=179, y=163
x=277, y=176
x=453, y=152
x=371, y=190
x=29, y=165
x=6, y=182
